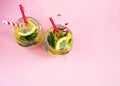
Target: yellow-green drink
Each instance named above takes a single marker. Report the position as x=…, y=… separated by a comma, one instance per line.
x=58, y=43
x=29, y=34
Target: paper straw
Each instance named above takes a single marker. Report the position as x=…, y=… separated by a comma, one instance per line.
x=11, y=23
x=65, y=28
x=55, y=27
x=23, y=14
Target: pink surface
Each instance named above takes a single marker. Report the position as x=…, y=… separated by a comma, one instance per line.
x=94, y=59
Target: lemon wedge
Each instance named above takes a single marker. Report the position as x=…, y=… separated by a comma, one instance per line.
x=27, y=33
x=61, y=44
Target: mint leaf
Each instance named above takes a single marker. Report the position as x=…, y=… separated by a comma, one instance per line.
x=51, y=39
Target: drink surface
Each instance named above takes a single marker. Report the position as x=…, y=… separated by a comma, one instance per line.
x=58, y=43
x=30, y=34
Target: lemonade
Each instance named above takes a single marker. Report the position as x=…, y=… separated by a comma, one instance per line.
x=30, y=34
x=58, y=43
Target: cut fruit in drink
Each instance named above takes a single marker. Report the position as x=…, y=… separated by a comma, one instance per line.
x=27, y=33
x=30, y=23
x=69, y=35
x=61, y=43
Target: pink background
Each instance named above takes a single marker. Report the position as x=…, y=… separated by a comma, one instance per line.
x=94, y=59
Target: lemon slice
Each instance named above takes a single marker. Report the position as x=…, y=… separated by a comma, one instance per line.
x=30, y=23
x=28, y=33
x=69, y=36
x=61, y=44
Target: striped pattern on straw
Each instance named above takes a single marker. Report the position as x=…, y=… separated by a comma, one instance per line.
x=65, y=28
x=23, y=14
x=11, y=23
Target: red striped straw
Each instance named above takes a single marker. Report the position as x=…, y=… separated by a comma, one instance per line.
x=55, y=27
x=11, y=23
x=65, y=28
x=23, y=14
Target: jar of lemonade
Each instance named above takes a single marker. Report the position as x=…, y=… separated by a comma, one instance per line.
x=58, y=43
x=29, y=34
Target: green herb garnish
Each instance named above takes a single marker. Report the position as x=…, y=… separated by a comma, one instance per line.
x=51, y=39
